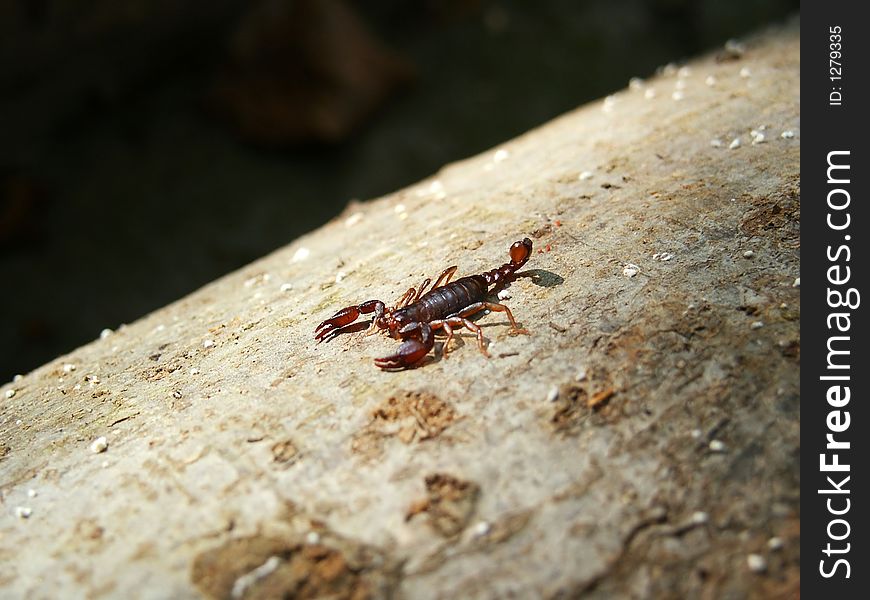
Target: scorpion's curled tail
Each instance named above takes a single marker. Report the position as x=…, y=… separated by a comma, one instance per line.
x=520, y=252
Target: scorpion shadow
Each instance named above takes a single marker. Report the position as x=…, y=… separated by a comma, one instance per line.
x=542, y=277
x=352, y=328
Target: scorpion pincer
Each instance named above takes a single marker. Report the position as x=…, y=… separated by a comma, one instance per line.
x=446, y=306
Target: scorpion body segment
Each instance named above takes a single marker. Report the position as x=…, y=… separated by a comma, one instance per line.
x=445, y=300
x=446, y=306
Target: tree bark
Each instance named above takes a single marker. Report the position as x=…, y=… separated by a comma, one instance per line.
x=642, y=441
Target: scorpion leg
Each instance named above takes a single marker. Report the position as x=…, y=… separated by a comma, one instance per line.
x=419, y=340
x=476, y=329
x=459, y=321
x=406, y=298
x=515, y=329
x=421, y=289
x=479, y=306
x=445, y=276
x=413, y=295
x=443, y=279
x=347, y=316
x=447, y=325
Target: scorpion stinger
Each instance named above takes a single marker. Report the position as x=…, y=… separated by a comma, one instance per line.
x=446, y=307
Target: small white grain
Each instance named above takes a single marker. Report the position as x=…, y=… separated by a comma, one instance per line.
x=286, y=287
x=353, y=219
x=10, y=393
x=99, y=445
x=436, y=188
x=481, y=529
x=756, y=563
x=735, y=48
x=700, y=517
x=735, y=143
x=787, y=134
x=69, y=368
x=748, y=254
x=312, y=538
x=32, y=493
x=710, y=80
x=649, y=93
x=105, y=333
x=797, y=282
x=745, y=73
x=23, y=512
x=757, y=325
x=208, y=343
x=775, y=543
x=716, y=143
x=301, y=254
x=504, y=295
x=717, y=446
x=630, y=270
x=585, y=175
x=635, y=83
x=553, y=394
x=500, y=155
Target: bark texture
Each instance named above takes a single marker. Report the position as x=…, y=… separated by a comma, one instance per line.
x=642, y=442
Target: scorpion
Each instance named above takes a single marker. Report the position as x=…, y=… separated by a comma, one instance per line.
x=447, y=306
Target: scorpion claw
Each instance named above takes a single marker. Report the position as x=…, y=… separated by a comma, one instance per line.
x=325, y=330
x=346, y=316
x=339, y=319
x=410, y=352
x=322, y=335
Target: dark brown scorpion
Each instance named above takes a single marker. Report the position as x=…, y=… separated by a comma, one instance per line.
x=447, y=306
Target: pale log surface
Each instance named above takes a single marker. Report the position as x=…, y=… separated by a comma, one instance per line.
x=641, y=442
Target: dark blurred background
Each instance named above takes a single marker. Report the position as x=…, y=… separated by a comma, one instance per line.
x=150, y=146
